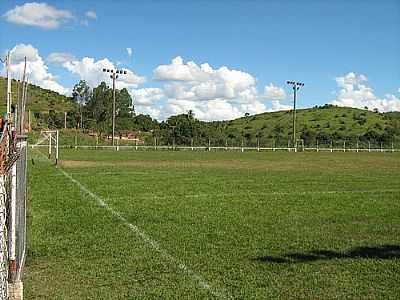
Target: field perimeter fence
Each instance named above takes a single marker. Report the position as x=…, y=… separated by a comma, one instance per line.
x=229, y=144
x=13, y=192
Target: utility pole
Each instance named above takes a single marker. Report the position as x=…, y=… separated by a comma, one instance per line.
x=8, y=63
x=114, y=76
x=296, y=86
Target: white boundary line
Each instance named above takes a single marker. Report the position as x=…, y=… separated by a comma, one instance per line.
x=201, y=282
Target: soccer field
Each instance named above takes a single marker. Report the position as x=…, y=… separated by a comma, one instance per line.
x=213, y=225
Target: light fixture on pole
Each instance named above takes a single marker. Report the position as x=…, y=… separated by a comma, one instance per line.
x=296, y=86
x=114, y=76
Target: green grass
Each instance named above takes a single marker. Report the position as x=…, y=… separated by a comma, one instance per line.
x=39, y=99
x=252, y=225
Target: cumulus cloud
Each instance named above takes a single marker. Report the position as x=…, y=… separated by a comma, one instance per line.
x=91, y=71
x=91, y=14
x=146, y=96
x=277, y=106
x=129, y=50
x=36, y=69
x=211, y=93
x=59, y=58
x=190, y=81
x=354, y=92
x=38, y=14
x=207, y=111
x=274, y=92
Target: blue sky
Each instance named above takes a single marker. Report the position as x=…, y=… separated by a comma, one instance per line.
x=344, y=51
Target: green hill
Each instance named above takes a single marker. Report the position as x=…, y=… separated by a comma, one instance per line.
x=324, y=123
x=39, y=99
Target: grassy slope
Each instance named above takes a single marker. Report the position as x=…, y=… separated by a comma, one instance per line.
x=39, y=100
x=339, y=119
x=343, y=120
x=227, y=221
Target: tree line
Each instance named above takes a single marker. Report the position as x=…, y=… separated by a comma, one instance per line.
x=93, y=112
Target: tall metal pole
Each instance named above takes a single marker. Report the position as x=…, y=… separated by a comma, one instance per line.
x=294, y=116
x=296, y=86
x=114, y=76
x=113, y=117
x=8, y=63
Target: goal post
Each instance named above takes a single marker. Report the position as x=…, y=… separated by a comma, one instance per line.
x=49, y=139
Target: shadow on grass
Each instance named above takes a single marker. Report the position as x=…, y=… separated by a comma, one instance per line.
x=379, y=252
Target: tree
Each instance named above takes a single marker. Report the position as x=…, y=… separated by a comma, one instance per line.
x=99, y=107
x=81, y=94
x=124, y=110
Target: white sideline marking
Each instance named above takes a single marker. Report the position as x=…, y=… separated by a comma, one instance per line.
x=146, y=238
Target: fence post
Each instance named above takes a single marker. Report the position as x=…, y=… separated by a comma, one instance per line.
x=57, y=147
x=50, y=144
x=381, y=147
x=209, y=145
x=344, y=146
x=191, y=142
x=242, y=146
x=258, y=144
x=12, y=225
x=76, y=139
x=317, y=146
x=117, y=148
x=369, y=146
x=331, y=146
x=273, y=145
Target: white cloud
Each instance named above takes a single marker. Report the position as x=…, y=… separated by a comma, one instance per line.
x=146, y=96
x=38, y=14
x=192, y=82
x=60, y=57
x=212, y=94
x=36, y=69
x=92, y=72
x=274, y=92
x=91, y=14
x=207, y=111
x=154, y=111
x=355, y=93
x=277, y=106
x=129, y=50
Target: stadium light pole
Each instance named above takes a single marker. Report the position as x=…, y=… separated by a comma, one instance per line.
x=113, y=76
x=296, y=86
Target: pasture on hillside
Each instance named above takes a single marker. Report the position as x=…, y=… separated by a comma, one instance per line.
x=213, y=225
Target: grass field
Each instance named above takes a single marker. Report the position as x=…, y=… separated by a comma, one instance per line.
x=205, y=225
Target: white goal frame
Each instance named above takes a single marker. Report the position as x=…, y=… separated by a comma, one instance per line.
x=51, y=137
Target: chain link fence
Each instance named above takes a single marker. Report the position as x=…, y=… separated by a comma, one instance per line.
x=13, y=193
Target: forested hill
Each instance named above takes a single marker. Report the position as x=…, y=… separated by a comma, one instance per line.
x=39, y=99
x=324, y=123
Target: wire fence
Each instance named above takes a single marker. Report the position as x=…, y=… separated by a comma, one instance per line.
x=21, y=199
x=13, y=193
x=224, y=148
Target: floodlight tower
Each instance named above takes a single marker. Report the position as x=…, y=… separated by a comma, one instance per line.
x=114, y=76
x=296, y=86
